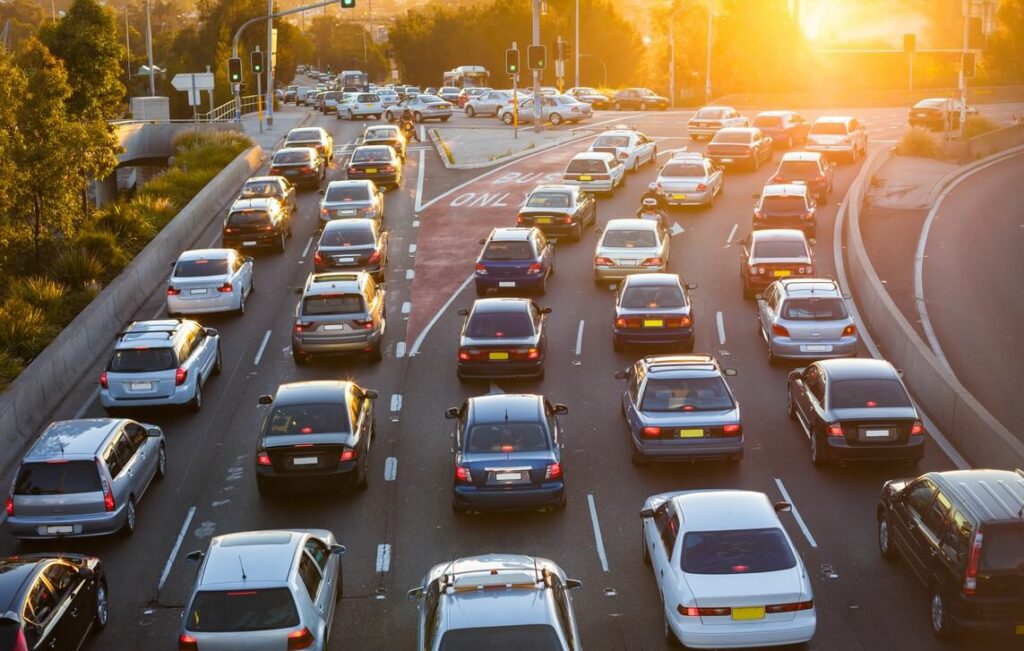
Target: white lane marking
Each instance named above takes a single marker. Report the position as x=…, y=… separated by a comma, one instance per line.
x=213, y=242
x=309, y=243
x=410, y=274
x=383, y=558
x=579, y=338
x=159, y=312
x=728, y=240
x=597, y=532
x=390, y=469
x=400, y=349
x=495, y=390
x=671, y=151
x=396, y=402
x=721, y=327
x=263, y=346
x=423, y=132
x=412, y=249
x=177, y=545
x=418, y=204
x=676, y=229
x=406, y=307
x=796, y=514
x=415, y=223
x=92, y=398
x=451, y=299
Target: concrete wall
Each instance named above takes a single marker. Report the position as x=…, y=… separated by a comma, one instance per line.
x=150, y=140
x=975, y=433
x=28, y=403
x=985, y=145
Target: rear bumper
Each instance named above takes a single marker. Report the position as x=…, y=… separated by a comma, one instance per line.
x=471, y=497
x=654, y=336
x=789, y=349
x=374, y=270
x=731, y=159
x=83, y=526
x=594, y=186
x=618, y=273
x=223, y=302
x=702, y=131
x=805, y=225
x=352, y=343
x=378, y=178
x=692, y=198
x=530, y=369
x=715, y=448
x=839, y=449
x=182, y=394
x=834, y=149
x=1002, y=616
x=734, y=635
x=251, y=241
x=346, y=473
x=518, y=282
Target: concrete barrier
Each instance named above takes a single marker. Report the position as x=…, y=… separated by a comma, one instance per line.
x=985, y=144
x=27, y=405
x=976, y=434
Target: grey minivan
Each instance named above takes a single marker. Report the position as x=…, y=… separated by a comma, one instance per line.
x=85, y=478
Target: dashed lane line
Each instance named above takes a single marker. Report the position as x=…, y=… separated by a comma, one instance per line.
x=796, y=514
x=721, y=327
x=732, y=233
x=400, y=349
x=396, y=402
x=309, y=243
x=263, y=346
x=579, y=338
x=390, y=469
x=177, y=545
x=406, y=307
x=597, y=532
x=383, y=558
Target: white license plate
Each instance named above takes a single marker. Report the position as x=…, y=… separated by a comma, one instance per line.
x=346, y=212
x=247, y=243
x=198, y=291
x=816, y=348
x=627, y=263
x=304, y=461
x=726, y=160
x=799, y=182
x=876, y=433
x=508, y=476
x=60, y=529
x=348, y=260
x=507, y=283
x=334, y=327
x=141, y=386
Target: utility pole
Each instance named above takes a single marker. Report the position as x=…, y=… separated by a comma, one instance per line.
x=269, y=63
x=963, y=74
x=707, y=72
x=128, y=52
x=671, y=62
x=536, y=73
x=149, y=52
x=576, y=44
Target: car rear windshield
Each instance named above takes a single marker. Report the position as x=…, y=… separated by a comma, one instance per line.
x=248, y=218
x=381, y=134
x=333, y=304
x=828, y=129
x=536, y=637
x=347, y=236
x=1003, y=548
x=261, y=189
x=740, y=551
x=496, y=325
x=683, y=171
x=212, y=267
x=290, y=157
x=548, y=200
x=932, y=104
x=347, y=193
x=289, y=420
x=710, y=114
x=857, y=394
x=367, y=97
x=612, y=141
x=779, y=249
x=732, y=138
x=508, y=250
x=304, y=135
x=787, y=204
x=662, y=296
x=768, y=121
x=57, y=478
x=430, y=99
x=814, y=309
x=506, y=437
x=623, y=239
x=371, y=155
x=799, y=169
x=142, y=360
x=586, y=166
x=686, y=394
x=223, y=611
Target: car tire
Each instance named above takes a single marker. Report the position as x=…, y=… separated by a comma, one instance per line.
x=942, y=626
x=670, y=638
x=262, y=485
x=131, y=519
x=218, y=363
x=458, y=508
x=241, y=304
x=617, y=344
x=364, y=473
x=350, y=116
x=470, y=111
x=377, y=352
x=636, y=165
x=417, y=117
x=300, y=359
x=637, y=458
x=644, y=553
x=196, y=403
x=555, y=119
x=281, y=243
x=542, y=287
x=161, y=462
x=102, y=614
x=506, y=118
x=772, y=359
x=817, y=455
x=790, y=407
x=885, y=546
x=643, y=106
x=617, y=106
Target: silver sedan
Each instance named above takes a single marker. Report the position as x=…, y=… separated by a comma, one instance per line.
x=690, y=180
x=490, y=103
x=630, y=246
x=209, y=280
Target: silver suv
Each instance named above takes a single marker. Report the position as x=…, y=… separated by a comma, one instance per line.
x=806, y=318
x=505, y=601
x=85, y=478
x=339, y=313
x=264, y=590
x=163, y=362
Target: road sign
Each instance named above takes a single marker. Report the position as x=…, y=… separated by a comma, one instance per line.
x=184, y=82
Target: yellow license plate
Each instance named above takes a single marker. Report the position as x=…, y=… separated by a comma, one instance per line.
x=748, y=613
x=678, y=196
x=371, y=170
x=653, y=323
x=1019, y=629
x=693, y=434
x=543, y=220
x=586, y=178
x=781, y=273
x=497, y=356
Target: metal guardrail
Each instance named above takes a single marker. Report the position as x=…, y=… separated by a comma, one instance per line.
x=226, y=112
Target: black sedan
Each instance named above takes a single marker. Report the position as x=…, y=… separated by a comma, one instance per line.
x=855, y=409
x=301, y=165
x=352, y=245
x=559, y=210
x=638, y=98
x=316, y=433
x=740, y=145
x=653, y=309
x=386, y=134
x=503, y=337
x=508, y=454
x=379, y=163
x=275, y=187
x=937, y=113
x=51, y=601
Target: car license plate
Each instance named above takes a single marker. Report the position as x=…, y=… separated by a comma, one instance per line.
x=198, y=291
x=345, y=260
x=654, y=323
x=304, y=461
x=876, y=433
x=246, y=243
x=508, y=476
x=371, y=170
x=291, y=172
x=346, y=212
x=726, y=160
x=799, y=182
x=334, y=327
x=586, y=178
x=506, y=283
x=748, y=613
x=782, y=273
x=498, y=356
x=678, y=196
x=816, y=348
x=141, y=386
x=543, y=220
x=60, y=529
x=691, y=433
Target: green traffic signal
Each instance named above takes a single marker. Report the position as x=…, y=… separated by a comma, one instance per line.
x=512, y=61
x=234, y=70
x=256, y=62
x=348, y=4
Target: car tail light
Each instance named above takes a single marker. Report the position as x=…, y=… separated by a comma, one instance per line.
x=779, y=330
x=627, y=322
x=849, y=330
x=651, y=431
x=108, y=497
x=601, y=261
x=652, y=262
x=701, y=187
x=466, y=354
x=172, y=290
x=554, y=471
x=732, y=430
x=226, y=288
x=834, y=429
x=789, y=608
x=462, y=474
x=180, y=375
x=325, y=212
x=623, y=155
x=566, y=220
x=365, y=324
x=758, y=214
x=520, y=219
x=352, y=170
x=187, y=643
x=317, y=258
x=389, y=168
x=973, y=561
x=801, y=270
x=374, y=258
x=306, y=170
x=778, y=178
x=917, y=429
x=819, y=178
x=10, y=505
x=103, y=380
x=300, y=639
x=809, y=215
x=275, y=171
x=533, y=269
x=347, y=454
x=692, y=611
x=533, y=353
x=262, y=458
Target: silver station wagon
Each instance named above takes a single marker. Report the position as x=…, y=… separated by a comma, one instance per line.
x=806, y=318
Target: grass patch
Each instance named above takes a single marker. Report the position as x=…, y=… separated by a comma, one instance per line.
x=979, y=124
x=921, y=142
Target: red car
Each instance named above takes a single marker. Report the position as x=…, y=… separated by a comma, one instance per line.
x=772, y=254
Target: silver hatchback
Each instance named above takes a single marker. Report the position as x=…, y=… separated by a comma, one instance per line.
x=85, y=478
x=806, y=318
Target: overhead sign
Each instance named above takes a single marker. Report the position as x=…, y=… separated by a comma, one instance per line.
x=186, y=81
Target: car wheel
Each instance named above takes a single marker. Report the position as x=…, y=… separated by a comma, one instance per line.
x=542, y=287
x=556, y=119
x=161, y=463
x=637, y=458
x=817, y=454
x=617, y=106
x=644, y=552
x=790, y=407
x=636, y=164
x=885, y=546
x=772, y=359
x=617, y=345
x=456, y=507
x=363, y=482
x=942, y=625
x=417, y=117
x=643, y=106
x=377, y=352
x=670, y=638
x=280, y=243
x=506, y=118
x=102, y=606
x=470, y=112
x=218, y=363
x=196, y=403
x=130, y=520
x=262, y=486
x=241, y=304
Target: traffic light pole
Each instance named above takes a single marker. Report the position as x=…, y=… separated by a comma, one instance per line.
x=537, y=126
x=963, y=72
x=259, y=97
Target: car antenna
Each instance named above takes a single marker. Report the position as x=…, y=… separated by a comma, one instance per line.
x=506, y=421
x=240, y=564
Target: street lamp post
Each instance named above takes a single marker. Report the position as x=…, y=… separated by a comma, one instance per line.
x=537, y=127
x=576, y=44
x=149, y=52
x=671, y=62
x=707, y=72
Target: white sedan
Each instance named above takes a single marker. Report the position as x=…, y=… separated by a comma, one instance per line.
x=728, y=573
x=209, y=280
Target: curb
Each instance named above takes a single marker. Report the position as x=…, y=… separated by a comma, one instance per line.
x=440, y=146
x=942, y=183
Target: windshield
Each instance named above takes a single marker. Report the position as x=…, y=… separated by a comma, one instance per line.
x=375, y=155
x=353, y=236
x=215, y=267
x=828, y=129
x=303, y=135
x=814, y=309
x=535, y=637
x=242, y=610
x=740, y=551
x=686, y=394
x=381, y=134
x=142, y=360
x=286, y=157
x=784, y=204
x=612, y=141
x=624, y=239
x=504, y=250
x=779, y=249
x=548, y=200
x=347, y=193
x=497, y=325
x=586, y=166
x=332, y=304
x=662, y=296
x=506, y=437
x=57, y=478
x=768, y=121
x=307, y=419
x=710, y=114
x=857, y=394
x=683, y=170
x=261, y=189
x=431, y=99
x=731, y=138
x=932, y=104
x=1004, y=547
x=367, y=97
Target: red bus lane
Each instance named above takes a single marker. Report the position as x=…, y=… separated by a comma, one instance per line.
x=451, y=228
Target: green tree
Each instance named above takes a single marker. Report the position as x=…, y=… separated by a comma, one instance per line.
x=1005, y=53
x=23, y=18
x=340, y=45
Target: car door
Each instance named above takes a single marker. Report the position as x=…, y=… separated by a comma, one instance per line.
x=430, y=615
x=631, y=396
x=40, y=619
x=563, y=609
x=766, y=309
x=666, y=522
x=75, y=602
x=203, y=352
x=910, y=509
x=328, y=564
x=146, y=450
x=808, y=396
x=132, y=479
x=312, y=578
x=546, y=250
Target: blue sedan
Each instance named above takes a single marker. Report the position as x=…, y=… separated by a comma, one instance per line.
x=516, y=260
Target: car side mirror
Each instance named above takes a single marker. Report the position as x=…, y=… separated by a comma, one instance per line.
x=756, y=195
x=545, y=310
x=731, y=372
x=321, y=191
x=211, y=332
x=451, y=413
x=561, y=409
x=620, y=375
x=249, y=258
x=370, y=394
x=462, y=311
x=338, y=550
x=647, y=513
x=174, y=263
x=195, y=556
x=691, y=286
x=153, y=432
x=265, y=399
x=483, y=240
x=573, y=584
x=298, y=290
x=782, y=507
x=415, y=593
x=86, y=573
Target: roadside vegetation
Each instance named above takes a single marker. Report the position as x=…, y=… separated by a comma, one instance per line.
x=921, y=142
x=979, y=124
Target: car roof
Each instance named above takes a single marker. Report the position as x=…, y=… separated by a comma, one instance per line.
x=494, y=408
x=506, y=304
x=256, y=203
x=690, y=365
x=520, y=605
x=15, y=572
x=555, y=187
x=834, y=118
x=511, y=233
x=594, y=155
x=632, y=224
x=263, y=556
x=205, y=254
x=305, y=132
x=809, y=287
x=772, y=234
x=726, y=509
x=858, y=368
x=73, y=438
x=802, y=155
x=651, y=280
x=783, y=189
x=157, y=331
x=987, y=494
x=264, y=179
x=312, y=391
x=305, y=150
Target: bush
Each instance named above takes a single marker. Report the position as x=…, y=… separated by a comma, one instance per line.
x=128, y=221
x=24, y=329
x=44, y=293
x=76, y=267
x=214, y=150
x=10, y=367
x=979, y=124
x=919, y=141
x=104, y=246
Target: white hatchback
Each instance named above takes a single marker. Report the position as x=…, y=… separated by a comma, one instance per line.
x=728, y=572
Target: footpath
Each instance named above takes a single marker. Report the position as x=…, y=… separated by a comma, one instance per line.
x=286, y=118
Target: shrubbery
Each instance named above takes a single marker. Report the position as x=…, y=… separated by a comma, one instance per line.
x=979, y=124
x=919, y=141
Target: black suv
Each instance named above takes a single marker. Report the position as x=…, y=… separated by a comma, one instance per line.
x=962, y=534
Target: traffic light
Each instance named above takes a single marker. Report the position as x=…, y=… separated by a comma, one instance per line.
x=536, y=57
x=909, y=43
x=512, y=61
x=256, y=62
x=348, y=4
x=235, y=70
x=968, y=65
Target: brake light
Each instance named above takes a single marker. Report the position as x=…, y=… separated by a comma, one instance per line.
x=652, y=262
x=374, y=257
x=566, y=220
x=352, y=170
x=809, y=215
x=533, y=269
x=262, y=458
x=462, y=474
x=834, y=429
x=10, y=505
x=973, y=561
x=601, y=261
x=801, y=270
x=306, y=170
x=481, y=268
x=623, y=155
x=172, y=290
x=691, y=611
x=733, y=430
x=103, y=380
x=789, y=608
x=758, y=214
x=389, y=168
x=187, y=643
x=520, y=219
x=651, y=431
x=701, y=187
x=464, y=355
x=300, y=639
x=180, y=375
x=820, y=178
x=627, y=322
x=778, y=178
x=317, y=258
x=347, y=454
x=917, y=429
x=554, y=471
x=108, y=497
x=365, y=325
x=226, y=288
x=779, y=330
x=849, y=330
x=533, y=353
x=274, y=171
